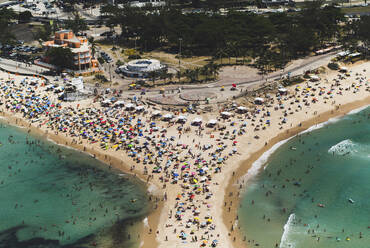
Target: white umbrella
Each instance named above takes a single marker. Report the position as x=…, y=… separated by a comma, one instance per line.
x=168, y=116
x=129, y=106
x=157, y=112
x=197, y=120
x=139, y=108
x=181, y=118
x=258, y=100
x=212, y=122
x=314, y=78
x=119, y=103
x=226, y=113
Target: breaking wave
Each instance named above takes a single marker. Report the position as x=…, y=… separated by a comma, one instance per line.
x=343, y=148
x=285, y=241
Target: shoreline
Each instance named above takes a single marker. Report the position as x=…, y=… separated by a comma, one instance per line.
x=233, y=145
x=234, y=186
x=153, y=190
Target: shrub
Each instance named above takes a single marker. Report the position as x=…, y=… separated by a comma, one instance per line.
x=101, y=78
x=134, y=56
x=119, y=63
x=101, y=60
x=333, y=66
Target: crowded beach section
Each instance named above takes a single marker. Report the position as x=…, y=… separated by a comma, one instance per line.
x=194, y=160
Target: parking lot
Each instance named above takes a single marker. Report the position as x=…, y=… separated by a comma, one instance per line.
x=20, y=52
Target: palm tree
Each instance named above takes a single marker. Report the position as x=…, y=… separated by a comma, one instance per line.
x=231, y=49
x=221, y=53
x=205, y=71
x=178, y=74
x=197, y=72
x=213, y=68
x=93, y=46
x=170, y=76
x=163, y=75
x=153, y=75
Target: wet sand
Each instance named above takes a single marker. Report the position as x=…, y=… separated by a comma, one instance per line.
x=250, y=150
x=233, y=187
x=105, y=157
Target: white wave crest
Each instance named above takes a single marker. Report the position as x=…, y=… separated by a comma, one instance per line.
x=342, y=148
x=355, y=111
x=253, y=171
x=320, y=125
x=145, y=221
x=285, y=242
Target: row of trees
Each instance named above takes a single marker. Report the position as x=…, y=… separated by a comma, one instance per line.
x=272, y=40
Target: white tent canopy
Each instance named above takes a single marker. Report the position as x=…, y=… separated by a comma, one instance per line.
x=197, y=120
x=181, y=118
x=343, y=69
x=119, y=103
x=225, y=114
x=129, y=106
x=212, y=122
x=78, y=83
x=342, y=54
x=168, y=116
x=140, y=108
x=282, y=90
x=314, y=78
x=258, y=100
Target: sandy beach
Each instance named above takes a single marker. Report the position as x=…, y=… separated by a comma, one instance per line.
x=194, y=172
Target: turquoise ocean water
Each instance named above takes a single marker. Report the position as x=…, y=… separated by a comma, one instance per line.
x=52, y=196
x=314, y=190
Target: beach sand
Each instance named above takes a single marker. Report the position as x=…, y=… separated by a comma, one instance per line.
x=160, y=231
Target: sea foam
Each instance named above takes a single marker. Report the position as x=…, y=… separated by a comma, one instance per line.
x=285, y=242
x=342, y=148
x=355, y=111
x=253, y=171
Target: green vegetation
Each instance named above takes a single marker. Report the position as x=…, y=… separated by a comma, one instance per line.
x=6, y=16
x=77, y=24
x=101, y=78
x=44, y=32
x=25, y=16
x=333, y=66
x=60, y=57
x=271, y=41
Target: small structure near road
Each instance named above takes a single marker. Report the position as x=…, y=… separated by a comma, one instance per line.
x=74, y=90
x=141, y=68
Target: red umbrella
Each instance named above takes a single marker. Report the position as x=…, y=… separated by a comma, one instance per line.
x=234, y=85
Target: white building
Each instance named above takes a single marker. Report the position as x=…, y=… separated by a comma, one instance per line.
x=141, y=67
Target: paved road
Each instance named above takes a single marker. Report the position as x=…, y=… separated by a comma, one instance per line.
x=307, y=63
x=20, y=67
x=296, y=68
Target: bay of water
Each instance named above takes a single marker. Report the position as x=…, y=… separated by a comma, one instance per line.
x=303, y=197
x=52, y=196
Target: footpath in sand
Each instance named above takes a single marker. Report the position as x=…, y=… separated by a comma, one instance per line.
x=188, y=159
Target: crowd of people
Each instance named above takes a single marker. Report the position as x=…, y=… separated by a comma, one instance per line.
x=180, y=151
